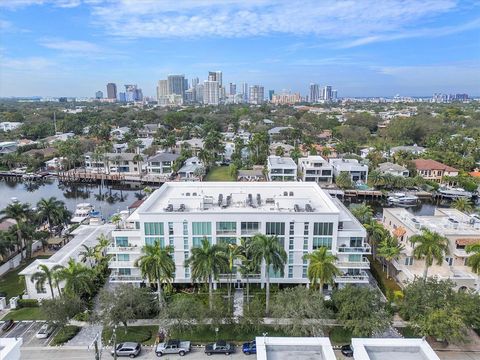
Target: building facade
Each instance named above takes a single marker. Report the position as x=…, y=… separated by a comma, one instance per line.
x=301, y=215
x=256, y=94
x=433, y=170
x=314, y=93
x=281, y=168
x=315, y=168
x=211, y=92
x=112, y=91
x=460, y=229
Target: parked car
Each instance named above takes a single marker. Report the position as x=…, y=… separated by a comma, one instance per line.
x=8, y=325
x=347, y=350
x=45, y=331
x=129, y=349
x=220, y=347
x=173, y=347
x=249, y=348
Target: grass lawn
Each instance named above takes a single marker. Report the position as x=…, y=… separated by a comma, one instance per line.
x=219, y=173
x=386, y=285
x=11, y=284
x=205, y=334
x=142, y=334
x=65, y=334
x=340, y=336
x=27, y=313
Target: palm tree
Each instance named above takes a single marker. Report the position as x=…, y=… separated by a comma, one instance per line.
x=474, y=260
x=389, y=249
x=44, y=275
x=207, y=262
x=7, y=243
x=463, y=204
x=103, y=243
x=50, y=210
x=77, y=277
x=269, y=251
x=116, y=219
x=321, y=267
x=376, y=233
x=233, y=252
x=248, y=265
x=157, y=265
x=88, y=254
x=362, y=212
x=429, y=246
x=139, y=159
x=20, y=213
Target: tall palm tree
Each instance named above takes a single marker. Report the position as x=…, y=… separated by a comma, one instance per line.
x=45, y=275
x=362, y=212
x=463, y=204
x=321, y=267
x=139, y=159
x=207, y=262
x=248, y=265
x=77, y=277
x=431, y=247
x=269, y=251
x=20, y=212
x=7, y=243
x=157, y=265
x=49, y=210
x=376, y=233
x=103, y=243
x=389, y=249
x=474, y=260
x=116, y=219
x=88, y=254
x=233, y=253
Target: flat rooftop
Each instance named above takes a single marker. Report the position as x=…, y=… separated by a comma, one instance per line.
x=297, y=348
x=281, y=162
x=243, y=197
x=445, y=222
x=392, y=349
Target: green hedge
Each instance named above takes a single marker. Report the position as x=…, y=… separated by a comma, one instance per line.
x=66, y=333
x=24, y=303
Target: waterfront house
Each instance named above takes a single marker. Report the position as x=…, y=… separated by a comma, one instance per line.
x=393, y=169
x=433, y=170
x=281, y=169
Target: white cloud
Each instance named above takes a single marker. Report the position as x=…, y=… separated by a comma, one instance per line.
x=366, y=19
x=14, y=4
x=71, y=46
x=27, y=64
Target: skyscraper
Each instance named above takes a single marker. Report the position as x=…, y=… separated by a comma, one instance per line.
x=185, y=84
x=270, y=94
x=245, y=92
x=327, y=93
x=215, y=76
x=211, y=92
x=99, y=95
x=122, y=97
x=334, y=95
x=314, y=93
x=256, y=95
x=112, y=91
x=176, y=85
x=194, y=82
x=233, y=89
x=133, y=93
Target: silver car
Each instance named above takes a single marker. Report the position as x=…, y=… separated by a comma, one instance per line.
x=129, y=349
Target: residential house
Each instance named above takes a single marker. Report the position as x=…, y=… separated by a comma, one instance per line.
x=459, y=228
x=114, y=163
x=254, y=174
x=364, y=152
x=189, y=169
x=281, y=169
x=394, y=169
x=9, y=126
x=287, y=148
x=59, y=137
x=414, y=149
x=119, y=133
x=149, y=130
x=433, y=170
x=161, y=164
x=7, y=147
x=357, y=171
x=194, y=144
x=315, y=168
x=54, y=164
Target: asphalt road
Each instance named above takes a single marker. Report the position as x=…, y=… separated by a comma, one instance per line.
x=27, y=331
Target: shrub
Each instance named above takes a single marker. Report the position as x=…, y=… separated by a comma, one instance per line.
x=24, y=303
x=82, y=316
x=66, y=333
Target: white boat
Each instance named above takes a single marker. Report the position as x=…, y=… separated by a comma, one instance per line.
x=454, y=193
x=82, y=212
x=402, y=199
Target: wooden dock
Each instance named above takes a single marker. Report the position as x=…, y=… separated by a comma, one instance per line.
x=363, y=193
x=89, y=177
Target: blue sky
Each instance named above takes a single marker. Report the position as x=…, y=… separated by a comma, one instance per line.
x=361, y=48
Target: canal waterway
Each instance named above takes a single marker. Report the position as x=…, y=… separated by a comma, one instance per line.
x=109, y=199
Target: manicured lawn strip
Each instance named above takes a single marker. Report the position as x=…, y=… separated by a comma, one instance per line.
x=142, y=334
x=65, y=334
x=206, y=334
x=340, y=336
x=386, y=285
x=10, y=283
x=219, y=173
x=31, y=313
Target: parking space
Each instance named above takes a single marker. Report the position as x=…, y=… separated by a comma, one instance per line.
x=19, y=329
x=27, y=331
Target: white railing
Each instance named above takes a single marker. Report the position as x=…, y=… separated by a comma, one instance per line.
x=125, y=278
x=366, y=249
x=364, y=264
x=362, y=277
x=121, y=264
x=121, y=249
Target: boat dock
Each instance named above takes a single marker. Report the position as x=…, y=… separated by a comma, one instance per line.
x=89, y=177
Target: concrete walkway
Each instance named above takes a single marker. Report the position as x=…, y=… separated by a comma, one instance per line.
x=238, y=303
x=85, y=336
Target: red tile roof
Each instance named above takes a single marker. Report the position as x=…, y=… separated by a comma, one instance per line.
x=136, y=204
x=428, y=164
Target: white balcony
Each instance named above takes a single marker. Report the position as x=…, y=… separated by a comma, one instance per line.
x=124, y=249
x=365, y=249
x=360, y=278
x=116, y=278
x=364, y=264
x=113, y=264
x=460, y=253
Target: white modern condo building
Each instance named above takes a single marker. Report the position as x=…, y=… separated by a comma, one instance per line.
x=301, y=215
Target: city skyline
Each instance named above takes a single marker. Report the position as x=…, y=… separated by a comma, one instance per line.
x=362, y=49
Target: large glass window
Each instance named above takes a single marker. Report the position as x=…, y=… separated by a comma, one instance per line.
x=355, y=258
x=356, y=242
x=153, y=228
x=322, y=241
x=197, y=240
x=121, y=241
x=152, y=240
x=201, y=228
x=275, y=228
x=227, y=240
x=123, y=257
x=249, y=228
x=226, y=227
x=323, y=229
x=124, y=272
